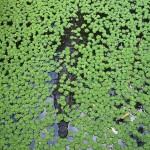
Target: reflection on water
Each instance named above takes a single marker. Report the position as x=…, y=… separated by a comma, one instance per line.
x=110, y=147
x=49, y=99
x=13, y=118
x=67, y=147
x=121, y=143
x=42, y=133
x=70, y=139
x=32, y=145
x=94, y=138
x=72, y=129
x=81, y=115
x=55, y=126
x=132, y=117
x=42, y=115
x=85, y=141
x=54, y=76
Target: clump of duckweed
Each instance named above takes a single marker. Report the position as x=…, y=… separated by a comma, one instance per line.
x=73, y=74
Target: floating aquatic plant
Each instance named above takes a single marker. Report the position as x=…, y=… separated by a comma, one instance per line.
x=91, y=57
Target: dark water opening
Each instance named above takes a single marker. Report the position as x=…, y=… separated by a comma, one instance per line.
x=18, y=43
x=9, y=23
x=28, y=24
x=118, y=106
x=29, y=3
x=138, y=141
x=140, y=129
x=102, y=14
x=67, y=41
x=138, y=106
x=13, y=118
x=63, y=129
x=2, y=59
x=119, y=121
